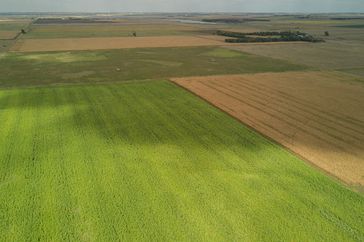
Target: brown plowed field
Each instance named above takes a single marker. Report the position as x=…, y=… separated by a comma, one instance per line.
x=36, y=45
x=318, y=115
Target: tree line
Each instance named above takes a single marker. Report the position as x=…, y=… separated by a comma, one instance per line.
x=275, y=36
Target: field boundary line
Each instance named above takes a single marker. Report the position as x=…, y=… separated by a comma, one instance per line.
x=338, y=180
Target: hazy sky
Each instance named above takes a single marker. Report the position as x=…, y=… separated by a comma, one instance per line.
x=183, y=5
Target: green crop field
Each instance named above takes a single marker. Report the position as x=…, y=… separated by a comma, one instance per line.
x=21, y=69
x=102, y=30
x=356, y=71
x=150, y=161
x=355, y=26
x=108, y=30
x=13, y=25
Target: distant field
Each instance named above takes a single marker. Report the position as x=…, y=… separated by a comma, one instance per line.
x=13, y=25
x=356, y=26
x=37, y=45
x=4, y=44
x=149, y=161
x=109, y=30
x=318, y=115
x=315, y=27
x=9, y=30
x=130, y=64
x=329, y=55
x=8, y=34
x=355, y=71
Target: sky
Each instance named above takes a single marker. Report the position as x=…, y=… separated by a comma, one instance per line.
x=182, y=6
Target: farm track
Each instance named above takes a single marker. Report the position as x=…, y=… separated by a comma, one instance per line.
x=331, y=138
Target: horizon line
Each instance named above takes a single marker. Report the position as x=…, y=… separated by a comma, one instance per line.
x=184, y=12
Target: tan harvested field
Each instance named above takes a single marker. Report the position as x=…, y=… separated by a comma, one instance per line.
x=318, y=115
x=37, y=45
x=329, y=55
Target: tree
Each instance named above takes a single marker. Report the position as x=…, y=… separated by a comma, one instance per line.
x=23, y=31
x=327, y=33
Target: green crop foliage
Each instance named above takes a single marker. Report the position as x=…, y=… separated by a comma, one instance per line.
x=355, y=26
x=13, y=25
x=150, y=161
x=107, y=30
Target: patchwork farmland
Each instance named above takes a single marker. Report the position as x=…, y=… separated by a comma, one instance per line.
x=150, y=127
x=303, y=111
x=149, y=161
